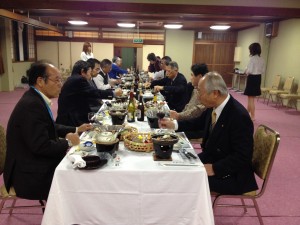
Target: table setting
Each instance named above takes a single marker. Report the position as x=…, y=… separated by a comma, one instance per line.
x=129, y=174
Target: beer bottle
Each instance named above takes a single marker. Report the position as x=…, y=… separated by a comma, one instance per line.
x=140, y=110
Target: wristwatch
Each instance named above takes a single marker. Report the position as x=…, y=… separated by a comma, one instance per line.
x=69, y=143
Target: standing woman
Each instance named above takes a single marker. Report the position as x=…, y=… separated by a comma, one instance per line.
x=86, y=51
x=255, y=69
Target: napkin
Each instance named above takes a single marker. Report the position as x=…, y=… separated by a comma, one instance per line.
x=77, y=161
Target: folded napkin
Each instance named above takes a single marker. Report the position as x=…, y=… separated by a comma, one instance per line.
x=77, y=161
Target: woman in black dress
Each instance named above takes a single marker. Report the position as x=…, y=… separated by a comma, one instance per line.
x=255, y=69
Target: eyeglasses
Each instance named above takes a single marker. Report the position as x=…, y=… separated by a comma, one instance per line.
x=57, y=80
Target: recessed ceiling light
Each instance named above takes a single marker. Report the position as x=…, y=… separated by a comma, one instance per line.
x=220, y=27
x=77, y=22
x=173, y=26
x=127, y=25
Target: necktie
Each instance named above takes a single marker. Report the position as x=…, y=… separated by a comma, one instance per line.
x=213, y=119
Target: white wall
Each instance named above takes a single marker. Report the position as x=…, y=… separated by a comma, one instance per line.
x=281, y=53
x=103, y=51
x=284, y=55
x=179, y=46
x=48, y=50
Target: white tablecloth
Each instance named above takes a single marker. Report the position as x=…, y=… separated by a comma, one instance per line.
x=139, y=191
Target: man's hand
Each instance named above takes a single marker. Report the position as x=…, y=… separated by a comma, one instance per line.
x=174, y=114
x=73, y=138
x=118, y=92
x=158, y=88
x=209, y=169
x=147, y=84
x=166, y=123
x=84, y=127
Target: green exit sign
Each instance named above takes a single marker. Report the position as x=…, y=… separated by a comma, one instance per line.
x=138, y=40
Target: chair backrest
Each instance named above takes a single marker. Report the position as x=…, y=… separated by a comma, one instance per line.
x=2, y=149
x=276, y=82
x=298, y=90
x=266, y=143
x=288, y=84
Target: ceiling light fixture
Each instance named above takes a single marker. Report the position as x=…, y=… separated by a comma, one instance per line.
x=173, y=26
x=220, y=27
x=77, y=22
x=127, y=25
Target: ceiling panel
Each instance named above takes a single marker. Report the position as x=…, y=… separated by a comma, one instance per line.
x=100, y=14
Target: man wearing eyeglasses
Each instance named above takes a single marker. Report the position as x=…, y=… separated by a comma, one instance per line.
x=35, y=143
x=173, y=87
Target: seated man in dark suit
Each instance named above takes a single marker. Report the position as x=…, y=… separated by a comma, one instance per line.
x=173, y=87
x=77, y=95
x=35, y=143
x=228, y=138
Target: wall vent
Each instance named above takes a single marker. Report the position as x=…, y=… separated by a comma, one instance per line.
x=150, y=23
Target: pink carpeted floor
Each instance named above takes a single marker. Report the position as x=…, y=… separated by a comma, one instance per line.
x=280, y=205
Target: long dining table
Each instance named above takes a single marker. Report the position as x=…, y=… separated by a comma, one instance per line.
x=136, y=191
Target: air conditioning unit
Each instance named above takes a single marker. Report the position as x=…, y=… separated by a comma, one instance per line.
x=150, y=23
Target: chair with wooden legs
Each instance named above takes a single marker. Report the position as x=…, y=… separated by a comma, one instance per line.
x=11, y=194
x=287, y=88
x=266, y=143
x=289, y=99
x=274, y=86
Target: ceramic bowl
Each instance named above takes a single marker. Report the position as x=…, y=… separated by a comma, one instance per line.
x=110, y=147
x=163, y=145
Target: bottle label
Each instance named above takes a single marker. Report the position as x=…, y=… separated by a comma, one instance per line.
x=139, y=114
x=130, y=117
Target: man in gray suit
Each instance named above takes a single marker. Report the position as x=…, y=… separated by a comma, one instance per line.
x=228, y=141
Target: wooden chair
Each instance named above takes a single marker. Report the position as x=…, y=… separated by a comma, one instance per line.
x=266, y=143
x=289, y=99
x=274, y=86
x=11, y=194
x=287, y=88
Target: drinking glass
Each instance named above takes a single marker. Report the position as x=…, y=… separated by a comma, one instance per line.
x=161, y=112
x=91, y=117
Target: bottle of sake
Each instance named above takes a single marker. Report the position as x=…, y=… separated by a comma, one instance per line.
x=131, y=108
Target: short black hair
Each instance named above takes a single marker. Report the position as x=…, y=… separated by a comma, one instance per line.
x=151, y=57
x=92, y=62
x=199, y=69
x=167, y=59
x=80, y=66
x=36, y=70
x=105, y=62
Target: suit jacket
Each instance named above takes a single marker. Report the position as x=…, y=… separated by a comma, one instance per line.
x=174, y=91
x=76, y=100
x=33, y=147
x=229, y=146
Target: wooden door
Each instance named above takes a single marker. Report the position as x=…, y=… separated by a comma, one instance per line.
x=217, y=56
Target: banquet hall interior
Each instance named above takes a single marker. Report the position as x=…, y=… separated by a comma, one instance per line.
x=36, y=30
